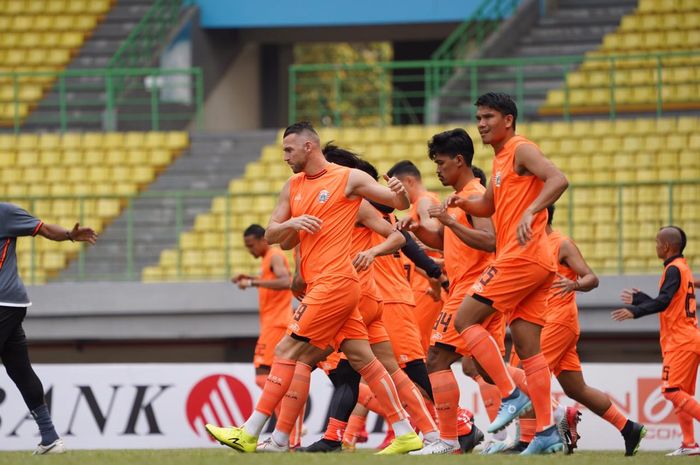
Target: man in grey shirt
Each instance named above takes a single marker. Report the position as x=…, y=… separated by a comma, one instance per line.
x=16, y=222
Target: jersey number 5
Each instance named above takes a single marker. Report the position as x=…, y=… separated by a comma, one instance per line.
x=690, y=301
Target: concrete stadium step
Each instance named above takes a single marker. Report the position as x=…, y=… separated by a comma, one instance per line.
x=154, y=218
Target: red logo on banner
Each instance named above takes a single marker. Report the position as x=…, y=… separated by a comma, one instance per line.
x=653, y=407
x=218, y=399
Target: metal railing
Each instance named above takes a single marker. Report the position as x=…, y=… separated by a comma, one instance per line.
x=97, y=97
x=418, y=88
x=614, y=224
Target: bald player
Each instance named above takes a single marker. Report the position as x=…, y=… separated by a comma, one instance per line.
x=317, y=209
x=679, y=333
x=523, y=184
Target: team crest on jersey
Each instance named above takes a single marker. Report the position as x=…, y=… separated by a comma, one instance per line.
x=498, y=179
x=297, y=198
x=323, y=196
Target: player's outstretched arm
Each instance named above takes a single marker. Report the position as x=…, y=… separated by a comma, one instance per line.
x=482, y=236
x=480, y=206
x=394, y=194
x=59, y=233
x=283, y=229
x=642, y=305
x=282, y=280
x=529, y=159
x=571, y=256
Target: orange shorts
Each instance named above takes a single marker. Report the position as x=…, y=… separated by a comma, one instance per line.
x=444, y=333
x=427, y=310
x=515, y=287
x=400, y=322
x=371, y=311
x=328, y=314
x=558, y=344
x=680, y=370
x=265, y=346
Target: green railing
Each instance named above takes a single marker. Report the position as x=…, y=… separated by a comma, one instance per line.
x=147, y=36
x=608, y=222
x=472, y=33
x=97, y=96
x=418, y=88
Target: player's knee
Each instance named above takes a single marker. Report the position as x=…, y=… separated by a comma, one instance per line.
x=671, y=394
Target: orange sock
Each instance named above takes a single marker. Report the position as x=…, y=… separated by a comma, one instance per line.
x=295, y=435
x=260, y=380
x=295, y=398
x=485, y=351
x=519, y=378
x=431, y=408
x=367, y=399
x=528, y=426
x=276, y=385
x=413, y=402
x=684, y=402
x=335, y=430
x=446, y=394
x=686, y=423
x=491, y=397
x=614, y=417
x=539, y=382
x=356, y=424
x=383, y=387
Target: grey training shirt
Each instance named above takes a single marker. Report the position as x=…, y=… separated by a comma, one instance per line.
x=14, y=222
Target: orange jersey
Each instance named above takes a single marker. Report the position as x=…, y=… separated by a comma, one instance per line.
x=463, y=263
x=512, y=195
x=561, y=309
x=679, y=324
x=391, y=273
x=275, y=305
x=327, y=252
x=363, y=239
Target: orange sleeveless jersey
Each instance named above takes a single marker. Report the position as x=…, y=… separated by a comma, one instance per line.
x=326, y=253
x=420, y=283
x=391, y=273
x=561, y=309
x=362, y=239
x=513, y=194
x=463, y=263
x=679, y=324
x=275, y=305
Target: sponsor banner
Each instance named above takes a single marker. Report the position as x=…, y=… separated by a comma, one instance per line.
x=145, y=406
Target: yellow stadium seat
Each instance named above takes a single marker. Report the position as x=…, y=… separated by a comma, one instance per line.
x=160, y=157
x=177, y=140
x=143, y=174
x=94, y=157
x=107, y=208
x=71, y=140
x=137, y=157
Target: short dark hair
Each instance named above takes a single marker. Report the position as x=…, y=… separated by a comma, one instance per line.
x=299, y=127
x=254, y=230
x=550, y=214
x=340, y=156
x=684, y=238
x=479, y=173
x=403, y=168
x=503, y=103
x=453, y=142
x=368, y=168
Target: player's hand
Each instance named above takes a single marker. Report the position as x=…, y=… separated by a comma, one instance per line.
x=454, y=200
x=238, y=277
x=245, y=283
x=306, y=223
x=83, y=234
x=395, y=185
x=564, y=285
x=435, y=290
x=406, y=224
x=298, y=287
x=524, y=230
x=363, y=260
x=627, y=295
x=439, y=212
x=621, y=314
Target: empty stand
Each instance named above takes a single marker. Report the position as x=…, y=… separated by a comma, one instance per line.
x=65, y=178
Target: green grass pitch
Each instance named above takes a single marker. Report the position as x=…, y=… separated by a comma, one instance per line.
x=221, y=456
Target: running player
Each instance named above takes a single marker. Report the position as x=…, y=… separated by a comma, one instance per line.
x=427, y=306
x=317, y=209
x=468, y=244
x=560, y=336
x=523, y=184
x=16, y=222
x=679, y=333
